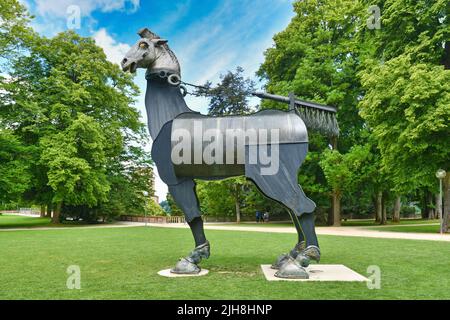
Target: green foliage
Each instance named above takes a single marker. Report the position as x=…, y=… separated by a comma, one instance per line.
x=406, y=105
x=394, y=76
x=165, y=206
x=15, y=176
x=72, y=107
x=230, y=96
x=75, y=161
x=174, y=209
x=407, y=211
x=154, y=209
x=419, y=27
x=316, y=57
x=13, y=27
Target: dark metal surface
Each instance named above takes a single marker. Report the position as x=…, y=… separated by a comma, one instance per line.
x=315, y=115
x=299, y=102
x=167, y=112
x=163, y=103
x=288, y=125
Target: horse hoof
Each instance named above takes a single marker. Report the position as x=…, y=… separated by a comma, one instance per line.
x=184, y=266
x=292, y=270
x=282, y=259
x=310, y=253
x=299, y=247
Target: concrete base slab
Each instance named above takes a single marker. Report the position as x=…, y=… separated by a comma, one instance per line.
x=319, y=272
x=168, y=274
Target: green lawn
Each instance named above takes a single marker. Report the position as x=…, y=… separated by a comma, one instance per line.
x=348, y=223
x=122, y=263
x=13, y=221
x=10, y=221
x=416, y=229
x=254, y=224
x=371, y=222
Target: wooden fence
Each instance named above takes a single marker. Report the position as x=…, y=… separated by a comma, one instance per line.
x=153, y=219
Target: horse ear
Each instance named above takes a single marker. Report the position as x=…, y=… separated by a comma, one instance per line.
x=159, y=42
x=145, y=33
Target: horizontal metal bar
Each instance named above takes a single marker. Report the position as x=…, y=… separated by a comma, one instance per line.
x=299, y=102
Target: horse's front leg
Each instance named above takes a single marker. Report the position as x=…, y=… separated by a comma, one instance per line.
x=186, y=198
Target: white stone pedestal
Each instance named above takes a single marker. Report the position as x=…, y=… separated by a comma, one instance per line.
x=168, y=274
x=319, y=272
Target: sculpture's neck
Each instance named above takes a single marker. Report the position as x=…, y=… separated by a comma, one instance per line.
x=164, y=103
x=167, y=60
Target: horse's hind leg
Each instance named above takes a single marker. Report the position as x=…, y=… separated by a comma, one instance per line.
x=299, y=247
x=312, y=251
x=186, y=198
x=283, y=187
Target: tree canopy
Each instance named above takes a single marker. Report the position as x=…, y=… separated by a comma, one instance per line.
x=72, y=111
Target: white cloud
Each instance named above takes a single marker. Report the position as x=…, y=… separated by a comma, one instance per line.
x=225, y=39
x=115, y=51
x=59, y=7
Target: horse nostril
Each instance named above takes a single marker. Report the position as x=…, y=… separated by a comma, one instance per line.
x=124, y=60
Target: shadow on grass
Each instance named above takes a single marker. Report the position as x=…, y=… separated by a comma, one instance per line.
x=16, y=221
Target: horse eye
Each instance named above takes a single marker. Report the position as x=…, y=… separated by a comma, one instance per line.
x=143, y=45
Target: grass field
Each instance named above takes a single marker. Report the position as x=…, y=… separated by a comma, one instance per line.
x=11, y=221
x=348, y=223
x=15, y=221
x=417, y=229
x=371, y=222
x=122, y=263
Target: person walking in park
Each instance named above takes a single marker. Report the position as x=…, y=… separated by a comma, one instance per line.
x=258, y=216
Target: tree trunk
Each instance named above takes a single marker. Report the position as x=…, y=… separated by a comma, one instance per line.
x=397, y=209
x=379, y=207
x=446, y=207
x=49, y=210
x=438, y=205
x=238, y=212
x=42, y=211
x=427, y=203
x=237, y=203
x=57, y=213
x=330, y=214
x=334, y=212
x=430, y=205
x=383, y=209
x=336, y=200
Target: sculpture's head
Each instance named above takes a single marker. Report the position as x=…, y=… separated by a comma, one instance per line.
x=150, y=52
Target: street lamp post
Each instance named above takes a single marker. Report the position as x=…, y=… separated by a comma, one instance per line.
x=440, y=174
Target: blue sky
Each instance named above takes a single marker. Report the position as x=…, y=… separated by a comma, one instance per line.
x=209, y=37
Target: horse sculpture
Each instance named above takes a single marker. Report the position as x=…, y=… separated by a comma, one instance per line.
x=170, y=120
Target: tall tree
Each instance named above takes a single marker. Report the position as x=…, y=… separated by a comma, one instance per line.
x=74, y=106
x=406, y=82
x=15, y=176
x=14, y=28
x=317, y=58
x=230, y=96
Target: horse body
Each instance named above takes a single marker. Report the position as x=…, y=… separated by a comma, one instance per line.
x=168, y=113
